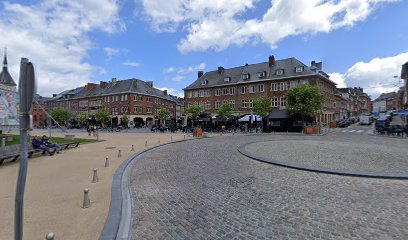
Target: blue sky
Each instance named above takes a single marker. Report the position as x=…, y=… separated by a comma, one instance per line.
x=361, y=42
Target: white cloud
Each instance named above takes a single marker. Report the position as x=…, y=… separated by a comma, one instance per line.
x=131, y=64
x=375, y=76
x=170, y=70
x=172, y=91
x=191, y=69
x=178, y=78
x=339, y=79
x=110, y=52
x=54, y=36
x=217, y=24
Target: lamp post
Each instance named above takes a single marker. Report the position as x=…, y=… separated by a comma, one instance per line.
x=27, y=89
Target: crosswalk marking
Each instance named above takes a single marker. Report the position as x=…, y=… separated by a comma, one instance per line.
x=359, y=131
x=344, y=131
x=352, y=130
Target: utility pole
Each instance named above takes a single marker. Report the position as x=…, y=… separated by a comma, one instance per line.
x=27, y=89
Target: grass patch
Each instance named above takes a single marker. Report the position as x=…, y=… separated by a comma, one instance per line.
x=59, y=140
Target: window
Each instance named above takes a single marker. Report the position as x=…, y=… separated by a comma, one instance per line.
x=218, y=92
x=293, y=84
x=189, y=94
x=243, y=89
x=260, y=87
x=274, y=102
x=135, y=109
x=195, y=94
x=279, y=72
x=201, y=93
x=299, y=69
x=262, y=74
x=252, y=89
x=274, y=87
x=227, y=79
x=245, y=76
x=135, y=97
x=225, y=91
x=149, y=110
x=244, y=103
x=283, y=86
x=126, y=97
x=156, y=101
x=304, y=82
x=204, y=82
x=149, y=99
x=251, y=103
x=283, y=102
x=201, y=104
x=207, y=105
x=232, y=103
x=217, y=104
x=232, y=91
x=208, y=93
x=83, y=103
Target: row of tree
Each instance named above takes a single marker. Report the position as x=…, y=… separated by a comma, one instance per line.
x=303, y=101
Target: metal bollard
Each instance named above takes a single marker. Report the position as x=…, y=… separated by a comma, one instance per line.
x=146, y=144
x=50, y=236
x=95, y=175
x=133, y=148
x=119, y=153
x=87, y=202
x=184, y=136
x=159, y=140
x=106, y=162
x=171, y=138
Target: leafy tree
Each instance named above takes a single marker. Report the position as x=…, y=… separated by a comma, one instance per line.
x=193, y=112
x=82, y=118
x=163, y=114
x=305, y=101
x=125, y=120
x=102, y=115
x=225, y=111
x=262, y=107
x=60, y=115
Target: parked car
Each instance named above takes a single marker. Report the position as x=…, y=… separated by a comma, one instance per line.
x=343, y=123
x=366, y=120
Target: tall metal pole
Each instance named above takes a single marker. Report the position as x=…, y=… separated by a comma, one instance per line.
x=27, y=89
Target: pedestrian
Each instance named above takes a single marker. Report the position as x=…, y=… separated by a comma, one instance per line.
x=38, y=144
x=88, y=129
x=47, y=142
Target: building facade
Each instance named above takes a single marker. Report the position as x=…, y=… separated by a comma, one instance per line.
x=136, y=99
x=386, y=102
x=8, y=98
x=358, y=102
x=241, y=86
x=404, y=75
x=39, y=111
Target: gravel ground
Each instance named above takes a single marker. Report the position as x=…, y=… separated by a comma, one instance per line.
x=335, y=155
x=206, y=189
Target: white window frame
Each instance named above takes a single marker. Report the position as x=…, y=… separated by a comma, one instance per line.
x=280, y=72
x=231, y=90
x=293, y=84
x=244, y=103
x=299, y=69
x=274, y=87
x=261, y=87
x=274, y=102
x=218, y=92
x=243, y=89
x=251, y=103
x=252, y=87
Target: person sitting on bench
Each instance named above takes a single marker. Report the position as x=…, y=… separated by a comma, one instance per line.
x=38, y=144
x=47, y=142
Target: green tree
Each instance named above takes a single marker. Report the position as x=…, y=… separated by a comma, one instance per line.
x=102, y=115
x=60, y=115
x=125, y=120
x=225, y=111
x=82, y=118
x=163, y=114
x=305, y=101
x=193, y=112
x=262, y=107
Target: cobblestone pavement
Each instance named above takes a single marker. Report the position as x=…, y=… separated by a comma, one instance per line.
x=205, y=189
x=335, y=155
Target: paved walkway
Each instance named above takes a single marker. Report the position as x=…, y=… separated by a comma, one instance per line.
x=54, y=190
x=205, y=189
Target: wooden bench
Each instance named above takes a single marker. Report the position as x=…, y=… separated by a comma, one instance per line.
x=12, y=153
x=70, y=136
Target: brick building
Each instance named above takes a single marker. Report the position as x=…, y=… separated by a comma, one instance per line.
x=8, y=98
x=39, y=111
x=358, y=102
x=386, y=102
x=241, y=86
x=135, y=98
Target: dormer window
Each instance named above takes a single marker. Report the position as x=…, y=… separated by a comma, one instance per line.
x=245, y=76
x=262, y=74
x=205, y=82
x=227, y=79
x=299, y=69
x=279, y=72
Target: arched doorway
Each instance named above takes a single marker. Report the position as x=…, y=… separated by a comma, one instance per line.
x=149, y=122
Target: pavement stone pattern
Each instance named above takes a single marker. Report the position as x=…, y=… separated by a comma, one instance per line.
x=335, y=155
x=206, y=189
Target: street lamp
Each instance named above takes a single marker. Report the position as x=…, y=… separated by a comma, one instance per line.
x=27, y=89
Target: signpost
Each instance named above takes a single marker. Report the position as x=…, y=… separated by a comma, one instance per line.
x=27, y=89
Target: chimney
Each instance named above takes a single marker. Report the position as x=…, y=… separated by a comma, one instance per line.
x=165, y=92
x=150, y=83
x=103, y=84
x=220, y=70
x=271, y=61
x=114, y=80
x=90, y=86
x=200, y=73
x=318, y=65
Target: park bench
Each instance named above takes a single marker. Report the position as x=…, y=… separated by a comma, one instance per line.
x=12, y=153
